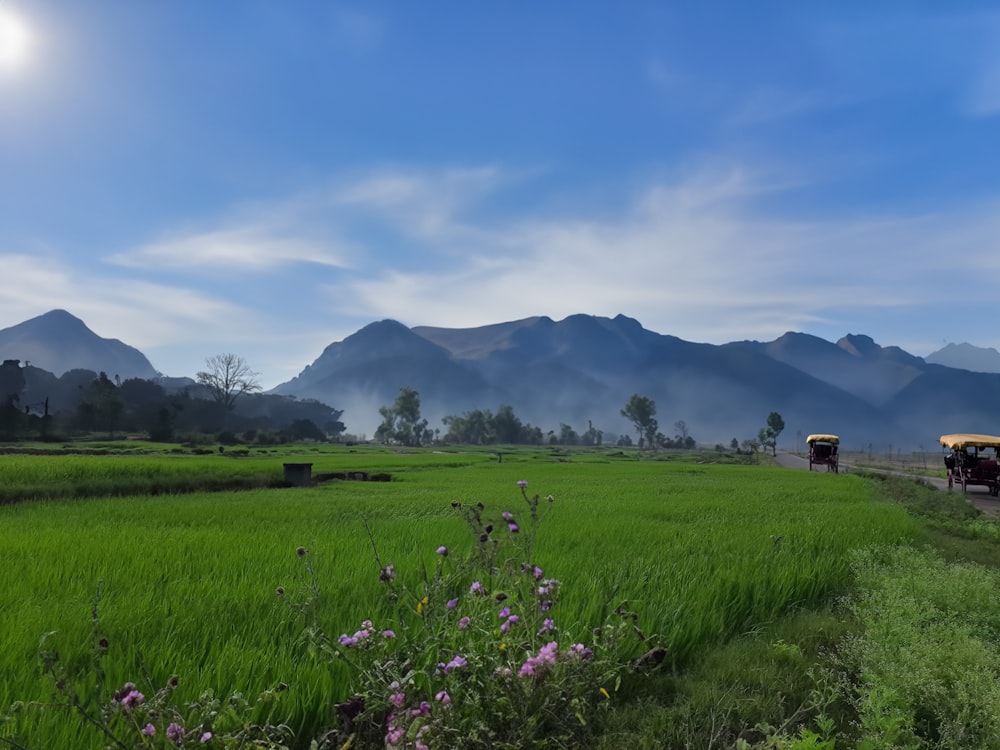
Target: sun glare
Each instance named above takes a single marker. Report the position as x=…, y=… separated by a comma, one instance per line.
x=15, y=41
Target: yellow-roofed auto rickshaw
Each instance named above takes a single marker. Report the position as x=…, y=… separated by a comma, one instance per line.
x=823, y=451
x=972, y=459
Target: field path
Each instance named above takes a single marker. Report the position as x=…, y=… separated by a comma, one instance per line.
x=978, y=496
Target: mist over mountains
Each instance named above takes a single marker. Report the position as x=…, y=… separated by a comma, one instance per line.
x=582, y=370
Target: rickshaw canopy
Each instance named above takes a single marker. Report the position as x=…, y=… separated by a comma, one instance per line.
x=961, y=441
x=827, y=439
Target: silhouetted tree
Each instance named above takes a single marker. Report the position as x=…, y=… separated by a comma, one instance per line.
x=228, y=377
x=769, y=434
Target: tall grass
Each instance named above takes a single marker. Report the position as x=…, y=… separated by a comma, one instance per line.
x=188, y=582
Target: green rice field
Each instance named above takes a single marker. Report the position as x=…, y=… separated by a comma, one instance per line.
x=187, y=581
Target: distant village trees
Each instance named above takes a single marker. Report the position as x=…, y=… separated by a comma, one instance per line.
x=641, y=412
x=84, y=402
x=401, y=422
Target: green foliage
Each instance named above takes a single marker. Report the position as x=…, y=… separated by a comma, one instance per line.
x=923, y=673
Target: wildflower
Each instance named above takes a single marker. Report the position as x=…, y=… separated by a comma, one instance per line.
x=522, y=483
x=546, y=605
x=476, y=588
x=175, y=732
x=346, y=640
x=422, y=710
x=394, y=736
x=604, y=692
x=149, y=730
x=397, y=699
x=132, y=699
x=457, y=663
x=580, y=651
x=388, y=634
x=205, y=737
x=443, y=551
x=505, y=612
x=513, y=620
x=514, y=528
x=367, y=624
x=301, y=552
x=443, y=698
x=548, y=625
x=452, y=603
x=507, y=515
x=463, y=623
x=546, y=655
x=538, y=573
x=387, y=573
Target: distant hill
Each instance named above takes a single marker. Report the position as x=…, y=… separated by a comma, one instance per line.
x=581, y=371
x=584, y=368
x=967, y=357
x=59, y=342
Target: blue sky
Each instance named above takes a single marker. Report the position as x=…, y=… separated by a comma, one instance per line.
x=267, y=177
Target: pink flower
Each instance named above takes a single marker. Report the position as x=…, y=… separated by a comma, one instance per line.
x=388, y=634
x=443, y=698
x=149, y=730
x=394, y=736
x=463, y=623
x=397, y=699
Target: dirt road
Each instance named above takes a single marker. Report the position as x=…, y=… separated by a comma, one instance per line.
x=978, y=496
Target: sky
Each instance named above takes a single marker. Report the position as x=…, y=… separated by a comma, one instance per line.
x=266, y=177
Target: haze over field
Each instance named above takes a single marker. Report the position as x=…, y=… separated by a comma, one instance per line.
x=267, y=178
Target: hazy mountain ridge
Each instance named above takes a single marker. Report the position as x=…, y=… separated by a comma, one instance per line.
x=967, y=357
x=58, y=342
x=584, y=368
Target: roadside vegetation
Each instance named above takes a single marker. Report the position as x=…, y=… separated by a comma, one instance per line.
x=693, y=602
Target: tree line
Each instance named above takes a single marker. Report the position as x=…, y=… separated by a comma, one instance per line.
x=224, y=403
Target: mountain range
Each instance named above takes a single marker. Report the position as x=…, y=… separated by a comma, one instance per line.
x=582, y=370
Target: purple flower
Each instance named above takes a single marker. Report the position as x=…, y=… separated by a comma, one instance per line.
x=443, y=698
x=388, y=634
x=175, y=732
x=394, y=736
x=205, y=737
x=387, y=573
x=534, y=664
x=507, y=515
x=149, y=730
x=538, y=573
x=463, y=623
x=132, y=699
x=452, y=603
x=422, y=710
x=513, y=620
x=548, y=624
x=476, y=588
x=522, y=483
x=457, y=663
x=346, y=640
x=580, y=651
x=442, y=550
x=514, y=528
x=546, y=605
x=397, y=699
x=505, y=612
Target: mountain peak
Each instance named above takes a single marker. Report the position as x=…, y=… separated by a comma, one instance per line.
x=58, y=341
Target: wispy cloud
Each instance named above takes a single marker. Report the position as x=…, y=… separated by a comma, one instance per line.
x=236, y=248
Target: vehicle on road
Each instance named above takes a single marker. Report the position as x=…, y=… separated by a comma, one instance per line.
x=824, y=451
x=972, y=460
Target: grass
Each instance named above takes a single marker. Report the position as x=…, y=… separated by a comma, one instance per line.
x=703, y=553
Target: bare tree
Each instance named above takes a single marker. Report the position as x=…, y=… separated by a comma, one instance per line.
x=228, y=377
